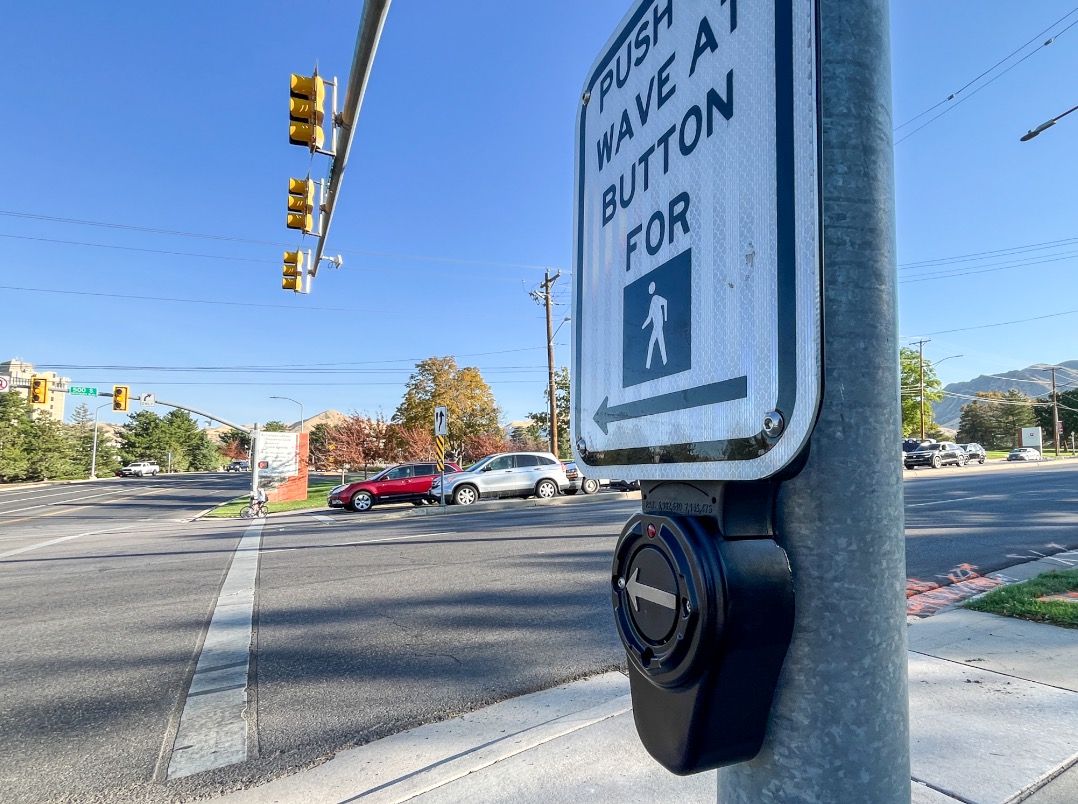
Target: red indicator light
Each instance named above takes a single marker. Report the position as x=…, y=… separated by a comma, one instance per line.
x=651, y=531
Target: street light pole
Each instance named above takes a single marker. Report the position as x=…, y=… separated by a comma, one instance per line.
x=93, y=453
x=289, y=399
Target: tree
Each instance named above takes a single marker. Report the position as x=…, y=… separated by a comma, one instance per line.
x=359, y=440
x=235, y=444
x=53, y=449
x=275, y=427
x=1067, y=402
x=977, y=425
x=994, y=419
x=144, y=438
x=540, y=429
x=319, y=440
x=910, y=368
x=15, y=437
x=479, y=445
x=410, y=443
x=1014, y=413
x=438, y=381
x=83, y=454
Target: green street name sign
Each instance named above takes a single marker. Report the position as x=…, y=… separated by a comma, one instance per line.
x=80, y=390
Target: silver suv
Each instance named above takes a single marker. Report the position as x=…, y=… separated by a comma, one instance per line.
x=505, y=474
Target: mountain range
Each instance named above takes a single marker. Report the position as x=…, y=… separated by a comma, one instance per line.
x=1033, y=381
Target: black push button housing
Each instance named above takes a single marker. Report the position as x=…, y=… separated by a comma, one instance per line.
x=705, y=623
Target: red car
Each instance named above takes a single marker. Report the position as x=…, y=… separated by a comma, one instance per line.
x=407, y=482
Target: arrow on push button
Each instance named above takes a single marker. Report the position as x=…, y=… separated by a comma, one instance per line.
x=638, y=590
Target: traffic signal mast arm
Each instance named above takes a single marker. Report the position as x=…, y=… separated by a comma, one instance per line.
x=371, y=22
x=159, y=401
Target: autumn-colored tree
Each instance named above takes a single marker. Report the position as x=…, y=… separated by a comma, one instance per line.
x=479, y=445
x=234, y=444
x=359, y=440
x=438, y=381
x=410, y=443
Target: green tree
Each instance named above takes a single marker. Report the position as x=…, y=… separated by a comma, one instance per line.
x=977, y=424
x=15, y=437
x=144, y=438
x=1067, y=403
x=319, y=439
x=910, y=369
x=53, y=451
x=540, y=429
x=82, y=432
x=275, y=427
x=438, y=381
x=1014, y=412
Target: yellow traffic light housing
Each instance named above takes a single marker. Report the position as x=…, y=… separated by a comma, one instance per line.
x=305, y=109
x=293, y=271
x=301, y=205
x=39, y=390
x=119, y=397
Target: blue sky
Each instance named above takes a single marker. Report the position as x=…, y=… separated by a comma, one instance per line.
x=458, y=194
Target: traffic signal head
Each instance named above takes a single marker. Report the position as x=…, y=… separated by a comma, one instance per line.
x=119, y=397
x=308, y=97
x=301, y=205
x=39, y=390
x=293, y=271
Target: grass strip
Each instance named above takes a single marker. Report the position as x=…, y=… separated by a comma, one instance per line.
x=1022, y=599
x=316, y=498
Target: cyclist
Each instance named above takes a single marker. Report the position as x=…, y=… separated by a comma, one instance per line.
x=258, y=502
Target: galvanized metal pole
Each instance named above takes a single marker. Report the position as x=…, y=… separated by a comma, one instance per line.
x=839, y=728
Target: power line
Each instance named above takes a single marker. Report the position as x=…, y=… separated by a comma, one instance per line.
x=985, y=269
x=982, y=75
x=231, y=239
x=1045, y=244
x=1002, y=323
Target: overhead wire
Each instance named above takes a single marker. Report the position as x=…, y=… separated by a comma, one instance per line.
x=982, y=75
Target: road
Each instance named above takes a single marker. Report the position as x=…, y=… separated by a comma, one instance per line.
x=359, y=628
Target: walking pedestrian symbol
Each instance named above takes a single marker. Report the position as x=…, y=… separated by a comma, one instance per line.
x=657, y=319
x=657, y=325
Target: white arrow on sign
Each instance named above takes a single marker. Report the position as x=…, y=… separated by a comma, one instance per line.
x=637, y=590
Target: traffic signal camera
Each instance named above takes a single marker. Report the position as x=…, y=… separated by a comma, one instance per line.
x=39, y=390
x=293, y=271
x=301, y=205
x=119, y=397
x=305, y=109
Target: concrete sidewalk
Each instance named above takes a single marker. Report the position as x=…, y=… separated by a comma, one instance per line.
x=993, y=719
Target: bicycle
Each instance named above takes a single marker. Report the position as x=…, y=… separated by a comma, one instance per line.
x=254, y=510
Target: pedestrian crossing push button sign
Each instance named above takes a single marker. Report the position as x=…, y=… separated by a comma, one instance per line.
x=696, y=267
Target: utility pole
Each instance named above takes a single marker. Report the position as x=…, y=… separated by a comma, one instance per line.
x=921, y=395
x=839, y=727
x=545, y=296
x=1055, y=410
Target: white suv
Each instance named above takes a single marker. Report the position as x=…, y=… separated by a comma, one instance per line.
x=140, y=469
x=505, y=474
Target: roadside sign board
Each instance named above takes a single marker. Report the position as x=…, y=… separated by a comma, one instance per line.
x=5, y=383
x=441, y=420
x=82, y=390
x=278, y=454
x=697, y=270
x=147, y=400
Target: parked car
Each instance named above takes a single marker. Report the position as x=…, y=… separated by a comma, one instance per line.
x=936, y=455
x=238, y=466
x=505, y=474
x=974, y=452
x=140, y=469
x=1024, y=454
x=577, y=481
x=406, y=482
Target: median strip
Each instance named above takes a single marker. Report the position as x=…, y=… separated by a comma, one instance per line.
x=213, y=727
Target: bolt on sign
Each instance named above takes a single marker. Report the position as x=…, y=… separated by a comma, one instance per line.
x=697, y=268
